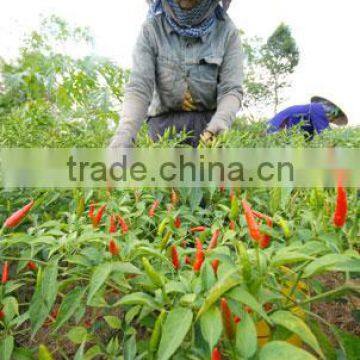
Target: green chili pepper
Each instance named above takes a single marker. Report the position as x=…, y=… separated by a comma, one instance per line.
x=285, y=227
x=165, y=240
x=80, y=208
x=234, y=210
x=152, y=273
x=162, y=226
x=245, y=262
x=156, y=334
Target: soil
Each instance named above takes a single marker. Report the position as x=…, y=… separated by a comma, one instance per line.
x=340, y=312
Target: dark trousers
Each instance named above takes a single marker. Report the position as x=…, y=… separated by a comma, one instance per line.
x=194, y=123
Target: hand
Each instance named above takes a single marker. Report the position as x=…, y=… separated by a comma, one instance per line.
x=188, y=104
x=207, y=137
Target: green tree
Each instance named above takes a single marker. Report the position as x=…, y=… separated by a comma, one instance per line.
x=257, y=93
x=268, y=67
x=48, y=98
x=280, y=56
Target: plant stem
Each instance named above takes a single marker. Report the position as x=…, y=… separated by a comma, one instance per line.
x=325, y=295
x=295, y=285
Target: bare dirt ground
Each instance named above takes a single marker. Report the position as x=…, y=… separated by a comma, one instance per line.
x=340, y=312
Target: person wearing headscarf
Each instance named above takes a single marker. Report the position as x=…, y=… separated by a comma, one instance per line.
x=312, y=118
x=187, y=72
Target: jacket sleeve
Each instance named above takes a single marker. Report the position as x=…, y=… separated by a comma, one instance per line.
x=230, y=90
x=139, y=91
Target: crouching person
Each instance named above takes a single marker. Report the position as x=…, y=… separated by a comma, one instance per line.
x=313, y=118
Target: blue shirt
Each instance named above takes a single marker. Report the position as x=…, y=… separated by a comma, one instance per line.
x=312, y=116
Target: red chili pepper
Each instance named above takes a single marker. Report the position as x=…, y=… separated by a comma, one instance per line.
x=341, y=210
x=187, y=260
x=198, y=229
x=228, y=320
x=92, y=211
x=265, y=242
x=232, y=225
x=174, y=197
x=99, y=215
x=113, y=225
x=268, y=219
x=177, y=222
x=113, y=248
x=199, y=257
x=16, y=218
x=175, y=258
x=237, y=319
x=2, y=315
x=216, y=354
x=215, y=265
x=5, y=273
x=153, y=208
x=31, y=266
x=123, y=225
x=248, y=309
x=253, y=226
x=222, y=188
x=214, y=239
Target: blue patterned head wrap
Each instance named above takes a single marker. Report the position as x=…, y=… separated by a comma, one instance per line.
x=194, y=23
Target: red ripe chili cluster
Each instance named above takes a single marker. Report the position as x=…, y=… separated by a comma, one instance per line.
x=199, y=256
x=5, y=273
x=114, y=249
x=153, y=208
x=254, y=228
x=341, y=209
x=96, y=218
x=175, y=258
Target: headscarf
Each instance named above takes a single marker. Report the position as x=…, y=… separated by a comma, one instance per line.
x=194, y=23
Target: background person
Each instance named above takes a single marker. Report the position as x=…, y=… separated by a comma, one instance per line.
x=187, y=72
x=314, y=117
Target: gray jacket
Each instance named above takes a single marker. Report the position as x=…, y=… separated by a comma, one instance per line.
x=166, y=65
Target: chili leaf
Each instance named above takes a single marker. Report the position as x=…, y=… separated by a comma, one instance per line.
x=350, y=344
x=68, y=306
x=244, y=297
x=246, y=337
x=211, y=326
x=138, y=298
x=44, y=296
x=276, y=350
x=220, y=288
x=98, y=278
x=296, y=325
x=177, y=325
x=6, y=347
x=332, y=262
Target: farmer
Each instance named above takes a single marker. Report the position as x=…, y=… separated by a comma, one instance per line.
x=187, y=72
x=314, y=117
